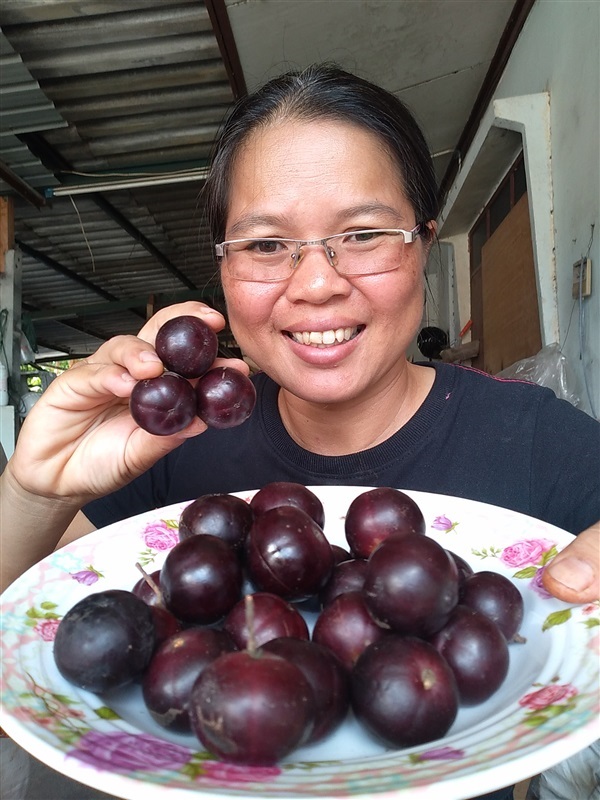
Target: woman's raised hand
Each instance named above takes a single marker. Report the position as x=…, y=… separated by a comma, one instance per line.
x=79, y=441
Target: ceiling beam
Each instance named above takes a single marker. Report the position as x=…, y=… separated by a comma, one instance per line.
x=55, y=162
x=513, y=28
x=91, y=309
x=217, y=11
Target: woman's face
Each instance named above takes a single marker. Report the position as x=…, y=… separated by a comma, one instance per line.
x=307, y=181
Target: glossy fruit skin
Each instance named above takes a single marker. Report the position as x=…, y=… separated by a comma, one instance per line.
x=165, y=624
x=378, y=513
x=347, y=576
x=164, y=405
x=411, y=585
x=288, y=493
x=251, y=708
x=477, y=652
x=186, y=345
x=175, y=666
x=404, y=692
x=224, y=397
x=273, y=617
x=287, y=553
x=222, y=515
x=201, y=579
x=497, y=598
x=347, y=628
x=326, y=676
x=105, y=641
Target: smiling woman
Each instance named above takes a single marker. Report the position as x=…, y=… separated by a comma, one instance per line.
x=328, y=182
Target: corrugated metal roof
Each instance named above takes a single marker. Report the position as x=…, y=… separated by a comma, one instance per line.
x=121, y=88
x=127, y=87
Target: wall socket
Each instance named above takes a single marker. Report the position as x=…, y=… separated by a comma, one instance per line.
x=584, y=264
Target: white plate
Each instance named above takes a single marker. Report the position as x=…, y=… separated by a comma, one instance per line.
x=546, y=710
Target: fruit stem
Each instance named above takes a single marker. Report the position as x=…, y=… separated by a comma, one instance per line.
x=152, y=584
x=249, y=608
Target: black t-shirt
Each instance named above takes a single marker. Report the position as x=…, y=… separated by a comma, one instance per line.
x=508, y=443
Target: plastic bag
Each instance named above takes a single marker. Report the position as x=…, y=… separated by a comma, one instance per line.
x=547, y=368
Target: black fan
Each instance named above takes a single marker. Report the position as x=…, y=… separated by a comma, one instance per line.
x=431, y=341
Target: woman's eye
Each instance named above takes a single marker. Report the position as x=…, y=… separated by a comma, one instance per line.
x=265, y=246
x=363, y=236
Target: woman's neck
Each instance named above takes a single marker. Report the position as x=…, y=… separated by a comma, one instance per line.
x=344, y=428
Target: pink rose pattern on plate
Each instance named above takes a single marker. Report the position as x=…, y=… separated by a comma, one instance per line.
x=79, y=726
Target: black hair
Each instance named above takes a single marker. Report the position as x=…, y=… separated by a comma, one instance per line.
x=325, y=91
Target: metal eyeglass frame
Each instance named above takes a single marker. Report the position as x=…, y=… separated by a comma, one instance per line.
x=409, y=238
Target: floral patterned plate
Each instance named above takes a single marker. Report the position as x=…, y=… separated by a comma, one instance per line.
x=547, y=709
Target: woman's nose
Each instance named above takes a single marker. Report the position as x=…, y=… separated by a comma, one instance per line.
x=314, y=278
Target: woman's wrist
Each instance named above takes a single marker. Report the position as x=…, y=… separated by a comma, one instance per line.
x=30, y=525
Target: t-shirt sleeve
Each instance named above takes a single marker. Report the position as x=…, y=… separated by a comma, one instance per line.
x=565, y=469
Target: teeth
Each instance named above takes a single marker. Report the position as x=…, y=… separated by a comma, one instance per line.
x=324, y=338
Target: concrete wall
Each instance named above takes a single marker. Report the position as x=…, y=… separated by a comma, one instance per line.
x=556, y=57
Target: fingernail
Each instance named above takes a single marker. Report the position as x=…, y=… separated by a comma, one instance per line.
x=128, y=378
x=572, y=572
x=148, y=355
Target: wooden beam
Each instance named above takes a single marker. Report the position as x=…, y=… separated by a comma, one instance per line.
x=7, y=230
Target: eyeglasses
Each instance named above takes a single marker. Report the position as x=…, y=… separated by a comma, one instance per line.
x=364, y=252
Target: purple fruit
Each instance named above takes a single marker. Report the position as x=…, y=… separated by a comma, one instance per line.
x=404, y=692
x=186, y=345
x=411, y=585
x=201, y=579
x=164, y=405
x=222, y=515
x=288, y=493
x=378, y=513
x=251, y=708
x=497, y=598
x=225, y=397
x=477, y=652
x=105, y=640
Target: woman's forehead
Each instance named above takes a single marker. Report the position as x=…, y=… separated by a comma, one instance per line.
x=285, y=161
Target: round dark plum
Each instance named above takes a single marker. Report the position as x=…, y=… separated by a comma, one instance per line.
x=224, y=397
x=164, y=405
x=222, y=515
x=251, y=708
x=378, y=513
x=465, y=570
x=165, y=624
x=287, y=553
x=186, y=345
x=497, y=598
x=347, y=628
x=287, y=493
x=175, y=666
x=105, y=641
x=347, y=576
x=326, y=676
x=411, y=584
x=340, y=554
x=271, y=618
x=201, y=579
x=477, y=652
x=404, y=692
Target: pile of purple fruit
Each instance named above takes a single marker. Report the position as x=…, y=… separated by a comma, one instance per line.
x=404, y=633
x=190, y=386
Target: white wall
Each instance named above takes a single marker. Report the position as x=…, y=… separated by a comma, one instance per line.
x=558, y=53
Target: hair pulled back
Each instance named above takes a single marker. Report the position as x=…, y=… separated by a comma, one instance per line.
x=324, y=92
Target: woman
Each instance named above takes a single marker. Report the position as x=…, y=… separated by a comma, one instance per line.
x=322, y=205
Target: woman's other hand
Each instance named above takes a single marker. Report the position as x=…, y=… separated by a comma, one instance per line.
x=574, y=574
x=79, y=441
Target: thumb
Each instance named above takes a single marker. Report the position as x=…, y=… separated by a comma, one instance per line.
x=574, y=574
